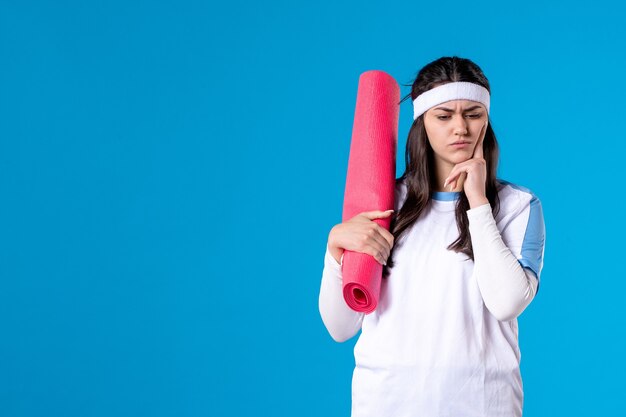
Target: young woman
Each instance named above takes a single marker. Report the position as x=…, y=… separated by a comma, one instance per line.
x=467, y=253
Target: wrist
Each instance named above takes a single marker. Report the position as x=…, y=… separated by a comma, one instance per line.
x=476, y=202
x=336, y=253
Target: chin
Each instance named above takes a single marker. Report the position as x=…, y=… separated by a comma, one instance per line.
x=460, y=157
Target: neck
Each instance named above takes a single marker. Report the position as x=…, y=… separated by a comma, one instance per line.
x=442, y=170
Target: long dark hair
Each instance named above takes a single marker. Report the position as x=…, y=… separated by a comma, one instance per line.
x=419, y=174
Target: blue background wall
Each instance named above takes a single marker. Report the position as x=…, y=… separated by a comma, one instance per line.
x=169, y=173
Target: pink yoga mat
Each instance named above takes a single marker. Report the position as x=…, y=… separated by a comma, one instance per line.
x=370, y=181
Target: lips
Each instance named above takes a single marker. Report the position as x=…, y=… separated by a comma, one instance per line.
x=462, y=142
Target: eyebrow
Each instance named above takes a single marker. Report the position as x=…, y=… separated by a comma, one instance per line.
x=450, y=110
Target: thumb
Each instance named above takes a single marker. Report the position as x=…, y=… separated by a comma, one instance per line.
x=376, y=214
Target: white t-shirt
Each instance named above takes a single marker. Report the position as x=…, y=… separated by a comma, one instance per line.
x=432, y=347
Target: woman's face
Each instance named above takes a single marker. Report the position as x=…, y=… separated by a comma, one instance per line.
x=451, y=122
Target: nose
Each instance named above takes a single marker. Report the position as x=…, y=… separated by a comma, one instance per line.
x=460, y=126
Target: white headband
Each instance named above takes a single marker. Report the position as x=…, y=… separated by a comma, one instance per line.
x=459, y=90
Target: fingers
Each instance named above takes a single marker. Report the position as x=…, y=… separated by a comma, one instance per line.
x=384, y=236
x=455, y=175
x=377, y=242
x=452, y=177
x=376, y=214
x=380, y=244
x=448, y=180
x=387, y=235
x=459, y=180
x=371, y=238
x=478, y=150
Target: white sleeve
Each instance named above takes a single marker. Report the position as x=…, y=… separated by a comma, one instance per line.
x=340, y=320
x=506, y=287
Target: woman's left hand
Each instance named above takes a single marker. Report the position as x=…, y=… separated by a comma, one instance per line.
x=471, y=175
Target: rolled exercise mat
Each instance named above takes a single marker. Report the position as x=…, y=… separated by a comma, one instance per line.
x=370, y=181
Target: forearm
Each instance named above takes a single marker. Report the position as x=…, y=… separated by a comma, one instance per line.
x=506, y=287
x=340, y=320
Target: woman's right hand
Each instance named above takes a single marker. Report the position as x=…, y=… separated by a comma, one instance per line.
x=362, y=234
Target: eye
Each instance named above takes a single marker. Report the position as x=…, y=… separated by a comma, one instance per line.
x=471, y=116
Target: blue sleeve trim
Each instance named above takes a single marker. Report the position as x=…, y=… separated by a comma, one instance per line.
x=535, y=235
x=534, y=238
x=525, y=264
